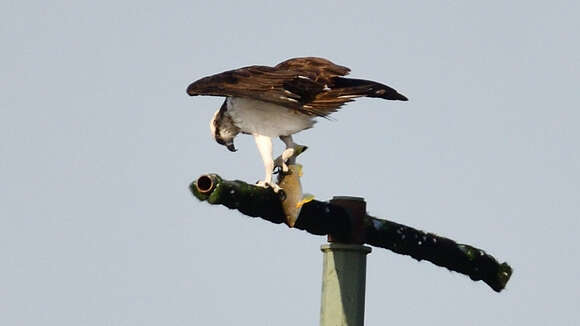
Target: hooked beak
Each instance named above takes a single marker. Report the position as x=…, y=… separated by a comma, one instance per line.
x=231, y=147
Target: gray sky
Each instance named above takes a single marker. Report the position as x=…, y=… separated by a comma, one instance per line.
x=98, y=143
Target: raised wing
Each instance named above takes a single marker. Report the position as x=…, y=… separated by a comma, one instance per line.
x=310, y=85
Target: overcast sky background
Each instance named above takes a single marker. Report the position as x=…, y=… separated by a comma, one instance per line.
x=99, y=142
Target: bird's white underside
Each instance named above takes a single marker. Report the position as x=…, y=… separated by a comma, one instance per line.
x=266, y=119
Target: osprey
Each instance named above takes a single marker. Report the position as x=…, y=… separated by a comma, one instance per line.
x=279, y=101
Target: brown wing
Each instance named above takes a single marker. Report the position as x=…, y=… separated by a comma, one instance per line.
x=258, y=82
x=311, y=85
x=335, y=90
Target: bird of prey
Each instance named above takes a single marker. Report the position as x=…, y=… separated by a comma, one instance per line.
x=279, y=101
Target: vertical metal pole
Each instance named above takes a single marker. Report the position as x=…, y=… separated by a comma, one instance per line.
x=344, y=271
x=343, y=284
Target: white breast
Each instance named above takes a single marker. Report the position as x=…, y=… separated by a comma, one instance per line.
x=268, y=119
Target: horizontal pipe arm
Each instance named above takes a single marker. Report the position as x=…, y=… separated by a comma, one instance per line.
x=324, y=218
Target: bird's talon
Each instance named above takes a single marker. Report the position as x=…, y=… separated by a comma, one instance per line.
x=275, y=187
x=282, y=195
x=267, y=185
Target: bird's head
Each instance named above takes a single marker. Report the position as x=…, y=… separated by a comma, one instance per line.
x=223, y=129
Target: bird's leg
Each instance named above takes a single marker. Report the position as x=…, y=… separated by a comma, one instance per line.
x=287, y=155
x=264, y=144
